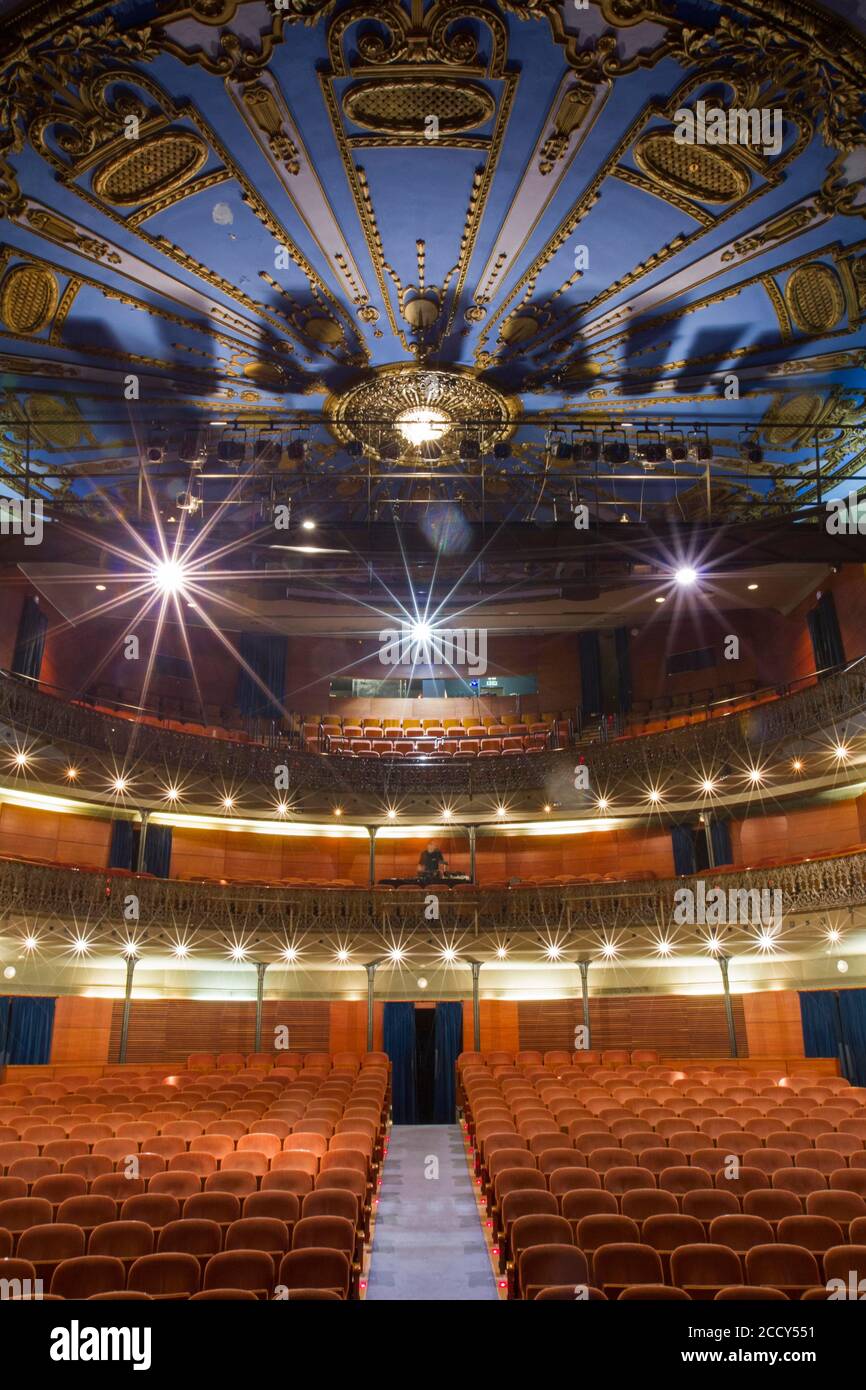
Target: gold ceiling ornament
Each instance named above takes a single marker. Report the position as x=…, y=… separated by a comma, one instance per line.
x=572, y=112
x=420, y=415
x=815, y=298
x=28, y=298
x=791, y=419
x=707, y=174
x=405, y=106
x=413, y=38
x=265, y=111
x=150, y=169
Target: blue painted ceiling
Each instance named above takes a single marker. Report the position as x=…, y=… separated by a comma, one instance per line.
x=249, y=208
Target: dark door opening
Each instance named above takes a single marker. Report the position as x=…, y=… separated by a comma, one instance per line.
x=425, y=1062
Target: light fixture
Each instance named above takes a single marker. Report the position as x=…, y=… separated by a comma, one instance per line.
x=282, y=808
x=80, y=945
x=449, y=955
x=228, y=803
x=342, y=955
x=168, y=575
x=654, y=795
x=765, y=942
x=421, y=633
x=447, y=813
x=421, y=424
x=751, y=587
x=71, y=773
x=501, y=952
x=501, y=811
x=609, y=950
x=708, y=786
x=289, y=955
x=548, y=808
x=663, y=948
x=396, y=955
x=422, y=983
x=602, y=803
x=834, y=935
x=338, y=810
x=100, y=588
x=660, y=599
x=30, y=943
x=171, y=793
x=714, y=945
x=756, y=775
x=308, y=525
x=841, y=752
x=180, y=950
x=392, y=814
x=21, y=759
x=130, y=950
x=686, y=576
x=552, y=951
x=842, y=967
x=119, y=785
x=797, y=765
x=238, y=953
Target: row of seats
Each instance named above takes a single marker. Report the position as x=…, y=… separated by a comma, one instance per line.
x=615, y=1169
x=699, y=1271
x=484, y=726
x=486, y=747
x=263, y=1178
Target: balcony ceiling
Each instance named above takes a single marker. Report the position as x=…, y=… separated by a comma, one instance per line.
x=256, y=212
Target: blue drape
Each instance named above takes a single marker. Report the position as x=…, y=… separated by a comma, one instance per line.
x=683, y=843
x=448, y=1030
x=157, y=850
x=822, y=1036
x=26, y=1029
x=30, y=640
x=823, y=625
x=720, y=839
x=623, y=669
x=122, y=845
x=266, y=656
x=852, y=1011
x=590, y=672
x=399, y=1038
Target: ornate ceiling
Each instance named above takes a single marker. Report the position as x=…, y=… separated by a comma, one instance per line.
x=232, y=209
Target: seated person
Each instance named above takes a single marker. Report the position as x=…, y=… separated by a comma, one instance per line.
x=431, y=863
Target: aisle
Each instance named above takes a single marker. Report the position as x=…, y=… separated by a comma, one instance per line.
x=428, y=1240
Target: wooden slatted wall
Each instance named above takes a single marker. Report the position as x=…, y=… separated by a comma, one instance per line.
x=676, y=1025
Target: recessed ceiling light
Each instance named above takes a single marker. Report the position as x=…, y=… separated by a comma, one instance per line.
x=708, y=785
x=660, y=599
x=841, y=751
x=100, y=588
x=396, y=955
x=228, y=803
x=797, y=765
x=119, y=785
x=654, y=796
x=548, y=808
x=756, y=775
x=501, y=811
x=842, y=967
x=171, y=793
x=289, y=955
x=552, y=951
x=342, y=955
x=391, y=813
x=308, y=525
x=602, y=803
x=71, y=773
x=180, y=951
x=663, y=948
x=501, y=952
x=447, y=813
x=21, y=759
x=686, y=576
x=238, y=953
x=752, y=586
x=449, y=955
x=609, y=950
x=30, y=943
x=338, y=810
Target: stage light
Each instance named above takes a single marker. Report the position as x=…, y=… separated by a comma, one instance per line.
x=168, y=576
x=686, y=576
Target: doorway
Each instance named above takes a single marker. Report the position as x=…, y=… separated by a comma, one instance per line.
x=423, y=1042
x=425, y=1062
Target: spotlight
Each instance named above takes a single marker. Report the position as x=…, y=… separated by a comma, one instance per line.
x=756, y=775
x=797, y=765
x=502, y=812
x=686, y=576
x=470, y=449
x=232, y=448
x=282, y=808
x=447, y=813
x=80, y=945
x=168, y=576
x=609, y=950
x=714, y=945
x=663, y=948
x=421, y=633
x=422, y=983
x=392, y=814
x=834, y=935
x=338, y=810
x=422, y=424
x=548, y=808
x=708, y=786
x=654, y=796
x=355, y=449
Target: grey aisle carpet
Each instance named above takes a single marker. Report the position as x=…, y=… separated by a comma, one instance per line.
x=428, y=1242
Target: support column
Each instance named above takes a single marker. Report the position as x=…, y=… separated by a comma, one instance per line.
x=476, y=1004
x=371, y=967
x=729, y=1008
x=131, y=962
x=472, y=829
x=708, y=836
x=142, y=842
x=583, y=966
x=371, y=831
x=261, y=967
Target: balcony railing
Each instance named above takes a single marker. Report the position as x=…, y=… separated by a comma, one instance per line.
x=825, y=705
x=98, y=901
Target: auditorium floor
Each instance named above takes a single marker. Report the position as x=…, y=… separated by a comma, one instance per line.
x=428, y=1242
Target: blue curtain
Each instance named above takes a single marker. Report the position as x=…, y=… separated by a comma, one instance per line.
x=121, y=849
x=590, y=672
x=852, y=1012
x=26, y=1028
x=157, y=850
x=399, y=1038
x=720, y=839
x=30, y=640
x=266, y=655
x=683, y=843
x=448, y=1032
x=823, y=625
x=623, y=669
x=822, y=1034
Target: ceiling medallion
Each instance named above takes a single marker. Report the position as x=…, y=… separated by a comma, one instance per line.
x=405, y=411
x=405, y=105
x=707, y=175
x=815, y=297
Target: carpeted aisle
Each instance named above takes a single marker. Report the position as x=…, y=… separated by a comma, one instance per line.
x=428, y=1241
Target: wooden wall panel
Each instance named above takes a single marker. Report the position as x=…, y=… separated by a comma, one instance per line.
x=498, y=1019
x=30, y=834
x=168, y=1030
x=774, y=1024
x=348, y=1026
x=677, y=1025
x=82, y=1029
x=308, y=1022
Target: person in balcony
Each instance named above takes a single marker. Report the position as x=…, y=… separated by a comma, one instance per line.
x=432, y=863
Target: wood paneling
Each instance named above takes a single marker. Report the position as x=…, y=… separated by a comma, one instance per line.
x=773, y=1023
x=168, y=1030
x=348, y=1026
x=82, y=1029
x=681, y=1025
x=498, y=1019
x=66, y=839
